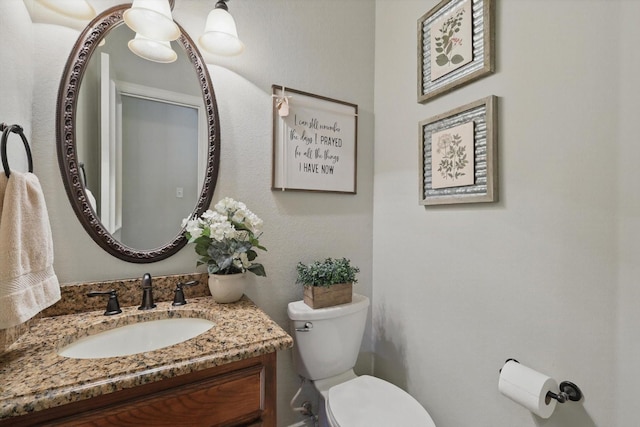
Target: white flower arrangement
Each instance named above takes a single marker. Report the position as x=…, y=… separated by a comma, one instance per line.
x=226, y=237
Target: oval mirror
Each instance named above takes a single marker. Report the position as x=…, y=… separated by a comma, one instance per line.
x=138, y=141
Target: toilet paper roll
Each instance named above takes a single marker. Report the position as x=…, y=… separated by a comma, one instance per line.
x=527, y=387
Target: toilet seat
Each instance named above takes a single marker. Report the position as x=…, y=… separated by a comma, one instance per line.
x=368, y=401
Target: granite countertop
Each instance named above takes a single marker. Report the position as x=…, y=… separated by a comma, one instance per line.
x=34, y=377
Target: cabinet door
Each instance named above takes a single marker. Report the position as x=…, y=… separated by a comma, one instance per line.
x=228, y=400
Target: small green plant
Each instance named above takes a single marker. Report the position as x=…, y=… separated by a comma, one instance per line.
x=326, y=273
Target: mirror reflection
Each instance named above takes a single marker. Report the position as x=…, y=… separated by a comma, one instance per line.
x=138, y=141
x=141, y=141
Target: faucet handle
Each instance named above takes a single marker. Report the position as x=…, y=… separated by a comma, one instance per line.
x=178, y=298
x=113, y=307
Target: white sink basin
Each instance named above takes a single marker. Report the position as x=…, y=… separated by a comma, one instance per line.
x=136, y=338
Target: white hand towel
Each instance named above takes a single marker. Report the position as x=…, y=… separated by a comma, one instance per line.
x=91, y=198
x=28, y=283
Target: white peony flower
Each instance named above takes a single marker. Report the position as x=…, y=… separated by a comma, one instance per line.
x=195, y=233
x=208, y=215
x=225, y=205
x=192, y=225
x=245, y=260
x=254, y=223
x=237, y=263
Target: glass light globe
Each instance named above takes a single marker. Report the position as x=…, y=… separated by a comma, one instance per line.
x=77, y=9
x=152, y=19
x=220, y=34
x=152, y=50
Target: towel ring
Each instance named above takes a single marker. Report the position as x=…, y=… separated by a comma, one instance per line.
x=6, y=130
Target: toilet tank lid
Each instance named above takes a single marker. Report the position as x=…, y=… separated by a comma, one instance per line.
x=298, y=310
x=372, y=402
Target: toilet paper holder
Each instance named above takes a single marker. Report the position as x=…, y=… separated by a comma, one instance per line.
x=568, y=391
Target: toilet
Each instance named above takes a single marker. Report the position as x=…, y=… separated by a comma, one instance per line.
x=327, y=343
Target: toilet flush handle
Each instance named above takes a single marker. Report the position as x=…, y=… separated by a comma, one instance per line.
x=307, y=327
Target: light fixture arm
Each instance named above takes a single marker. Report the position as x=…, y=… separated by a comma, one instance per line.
x=222, y=4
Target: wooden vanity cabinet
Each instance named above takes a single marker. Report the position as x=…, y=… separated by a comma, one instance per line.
x=241, y=393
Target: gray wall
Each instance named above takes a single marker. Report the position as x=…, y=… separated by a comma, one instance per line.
x=548, y=275
x=627, y=310
x=16, y=83
x=160, y=155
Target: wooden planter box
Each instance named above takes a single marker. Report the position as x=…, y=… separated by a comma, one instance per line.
x=327, y=296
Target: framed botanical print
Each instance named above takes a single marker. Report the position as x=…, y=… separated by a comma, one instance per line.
x=455, y=46
x=458, y=155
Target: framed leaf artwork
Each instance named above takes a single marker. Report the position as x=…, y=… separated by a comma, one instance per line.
x=455, y=46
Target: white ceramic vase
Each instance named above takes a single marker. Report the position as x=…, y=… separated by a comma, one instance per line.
x=226, y=288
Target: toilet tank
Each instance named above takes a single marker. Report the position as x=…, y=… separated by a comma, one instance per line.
x=330, y=344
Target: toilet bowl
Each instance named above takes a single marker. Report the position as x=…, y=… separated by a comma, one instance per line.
x=327, y=343
x=369, y=401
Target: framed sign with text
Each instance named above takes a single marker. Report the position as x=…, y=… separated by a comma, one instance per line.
x=314, y=142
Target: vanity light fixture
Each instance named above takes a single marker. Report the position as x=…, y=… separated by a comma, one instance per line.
x=152, y=19
x=220, y=34
x=152, y=50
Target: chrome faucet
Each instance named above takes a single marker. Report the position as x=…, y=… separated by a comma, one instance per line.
x=147, y=293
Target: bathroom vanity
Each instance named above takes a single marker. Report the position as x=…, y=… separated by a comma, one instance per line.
x=225, y=376
x=239, y=393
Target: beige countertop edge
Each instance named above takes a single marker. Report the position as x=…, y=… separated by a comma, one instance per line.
x=241, y=331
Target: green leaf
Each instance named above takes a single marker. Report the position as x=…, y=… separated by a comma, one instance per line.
x=442, y=59
x=224, y=262
x=257, y=269
x=239, y=226
x=456, y=59
x=202, y=250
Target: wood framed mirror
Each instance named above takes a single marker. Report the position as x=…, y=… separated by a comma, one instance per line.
x=97, y=170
